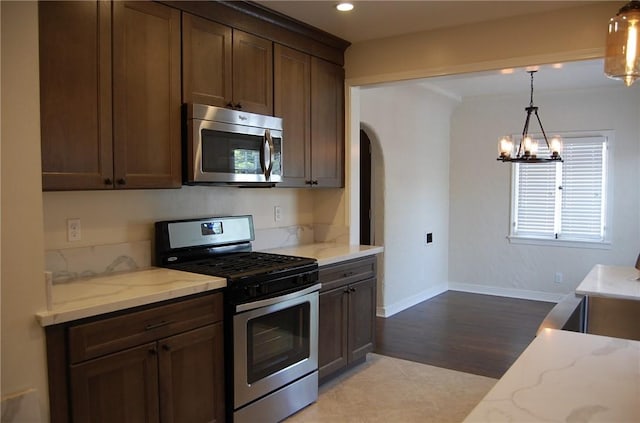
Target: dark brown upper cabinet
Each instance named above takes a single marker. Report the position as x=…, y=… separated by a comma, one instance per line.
x=75, y=95
x=226, y=67
x=309, y=96
x=206, y=62
x=110, y=95
x=327, y=124
x=292, y=99
x=146, y=95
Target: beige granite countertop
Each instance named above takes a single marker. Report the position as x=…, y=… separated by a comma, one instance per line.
x=567, y=377
x=329, y=253
x=104, y=294
x=619, y=282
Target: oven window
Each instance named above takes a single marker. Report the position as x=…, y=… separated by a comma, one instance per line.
x=276, y=341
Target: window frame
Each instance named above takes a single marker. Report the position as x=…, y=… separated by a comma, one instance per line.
x=528, y=239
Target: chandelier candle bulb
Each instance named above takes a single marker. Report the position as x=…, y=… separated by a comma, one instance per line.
x=556, y=146
x=505, y=146
x=530, y=146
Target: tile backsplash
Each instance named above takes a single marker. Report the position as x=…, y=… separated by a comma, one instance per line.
x=22, y=407
x=70, y=264
x=75, y=263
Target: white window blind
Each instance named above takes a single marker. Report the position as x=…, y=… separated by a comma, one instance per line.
x=583, y=189
x=564, y=201
x=536, y=199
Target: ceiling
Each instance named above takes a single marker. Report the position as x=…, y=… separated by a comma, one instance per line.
x=556, y=77
x=375, y=19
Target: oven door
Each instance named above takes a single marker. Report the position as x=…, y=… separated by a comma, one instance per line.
x=222, y=152
x=275, y=343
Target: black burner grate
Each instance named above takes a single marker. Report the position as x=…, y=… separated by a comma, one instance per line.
x=238, y=265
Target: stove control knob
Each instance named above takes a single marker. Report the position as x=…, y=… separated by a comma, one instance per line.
x=302, y=279
x=253, y=290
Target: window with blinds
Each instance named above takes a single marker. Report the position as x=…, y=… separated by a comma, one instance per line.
x=563, y=200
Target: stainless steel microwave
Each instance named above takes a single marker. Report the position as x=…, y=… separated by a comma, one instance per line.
x=232, y=147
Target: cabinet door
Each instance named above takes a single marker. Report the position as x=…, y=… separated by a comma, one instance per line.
x=292, y=92
x=252, y=73
x=332, y=331
x=75, y=95
x=121, y=387
x=327, y=124
x=146, y=95
x=362, y=318
x=191, y=369
x=206, y=62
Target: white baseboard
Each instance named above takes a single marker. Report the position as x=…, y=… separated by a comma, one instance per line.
x=390, y=310
x=506, y=292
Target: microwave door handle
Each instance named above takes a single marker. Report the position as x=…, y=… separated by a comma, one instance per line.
x=268, y=144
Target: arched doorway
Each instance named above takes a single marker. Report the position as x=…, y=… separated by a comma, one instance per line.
x=365, y=189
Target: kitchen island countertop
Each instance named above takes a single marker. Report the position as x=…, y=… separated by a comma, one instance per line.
x=619, y=282
x=567, y=377
x=329, y=253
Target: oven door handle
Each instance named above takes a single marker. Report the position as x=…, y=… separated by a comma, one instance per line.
x=275, y=300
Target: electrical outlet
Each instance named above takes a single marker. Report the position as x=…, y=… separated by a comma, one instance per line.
x=428, y=238
x=73, y=230
x=277, y=213
x=558, y=277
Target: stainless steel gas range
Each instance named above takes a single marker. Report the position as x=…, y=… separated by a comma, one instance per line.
x=271, y=313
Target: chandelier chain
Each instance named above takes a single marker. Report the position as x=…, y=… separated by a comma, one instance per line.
x=531, y=97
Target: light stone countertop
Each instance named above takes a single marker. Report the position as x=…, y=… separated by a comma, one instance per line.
x=619, y=282
x=105, y=294
x=329, y=253
x=567, y=377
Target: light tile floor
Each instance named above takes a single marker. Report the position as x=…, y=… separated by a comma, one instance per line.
x=386, y=389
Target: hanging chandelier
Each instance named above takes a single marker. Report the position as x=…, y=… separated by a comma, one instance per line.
x=622, y=56
x=527, y=150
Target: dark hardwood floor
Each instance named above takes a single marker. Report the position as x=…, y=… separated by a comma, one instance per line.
x=472, y=333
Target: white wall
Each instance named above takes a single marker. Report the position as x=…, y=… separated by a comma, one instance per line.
x=23, y=292
x=412, y=126
x=480, y=256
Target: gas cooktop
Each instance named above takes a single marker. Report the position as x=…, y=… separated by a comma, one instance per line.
x=221, y=246
x=237, y=266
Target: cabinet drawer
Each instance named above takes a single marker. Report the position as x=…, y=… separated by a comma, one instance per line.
x=112, y=334
x=336, y=275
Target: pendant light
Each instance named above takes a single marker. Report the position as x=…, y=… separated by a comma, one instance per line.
x=527, y=151
x=622, y=57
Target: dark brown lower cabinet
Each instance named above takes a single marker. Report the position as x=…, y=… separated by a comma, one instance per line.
x=156, y=364
x=347, y=315
x=120, y=387
x=191, y=377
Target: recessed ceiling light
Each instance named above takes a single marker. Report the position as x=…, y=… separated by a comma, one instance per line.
x=344, y=6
